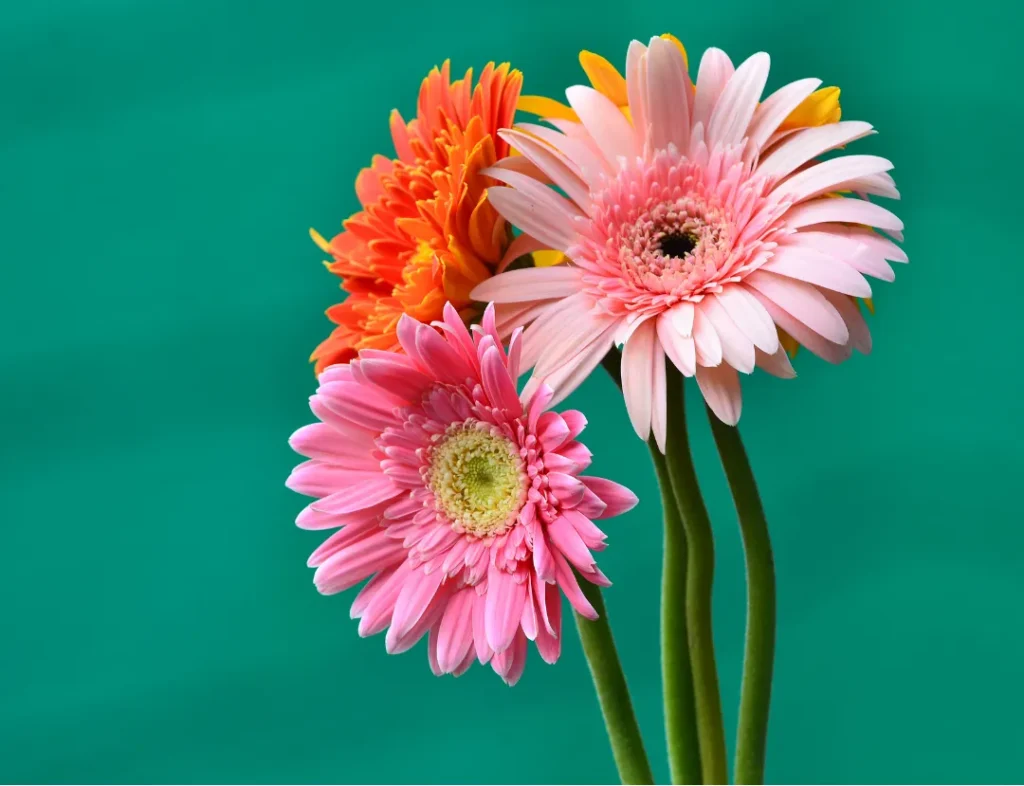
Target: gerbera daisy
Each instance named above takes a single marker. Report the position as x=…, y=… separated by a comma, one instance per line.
x=461, y=503
x=426, y=234
x=696, y=231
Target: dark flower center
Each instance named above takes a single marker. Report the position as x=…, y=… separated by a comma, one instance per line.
x=677, y=244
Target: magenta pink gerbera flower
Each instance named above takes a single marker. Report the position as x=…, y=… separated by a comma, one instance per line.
x=464, y=504
x=695, y=231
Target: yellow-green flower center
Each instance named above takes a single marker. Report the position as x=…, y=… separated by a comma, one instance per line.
x=478, y=480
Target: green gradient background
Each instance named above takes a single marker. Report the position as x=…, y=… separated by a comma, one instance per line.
x=159, y=165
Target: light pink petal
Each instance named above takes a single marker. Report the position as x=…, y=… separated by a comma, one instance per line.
x=750, y=317
x=776, y=108
x=680, y=350
x=637, y=377
x=577, y=148
x=659, y=404
x=520, y=246
x=880, y=184
x=550, y=161
x=845, y=247
x=604, y=122
x=413, y=600
x=810, y=143
x=636, y=91
x=706, y=341
x=860, y=334
x=455, y=636
x=617, y=497
x=537, y=211
x=567, y=378
x=529, y=622
x=563, y=336
x=529, y=284
x=548, y=323
x=802, y=301
x=815, y=267
x=813, y=341
x=667, y=106
x=828, y=176
x=846, y=210
x=737, y=348
x=882, y=246
x=714, y=73
x=777, y=364
x=735, y=107
x=721, y=389
x=567, y=582
x=505, y=599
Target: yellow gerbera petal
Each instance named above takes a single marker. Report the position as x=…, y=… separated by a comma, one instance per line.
x=604, y=77
x=870, y=304
x=819, y=108
x=682, y=49
x=548, y=258
x=546, y=107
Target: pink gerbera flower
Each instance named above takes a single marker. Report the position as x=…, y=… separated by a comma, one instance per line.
x=695, y=231
x=464, y=504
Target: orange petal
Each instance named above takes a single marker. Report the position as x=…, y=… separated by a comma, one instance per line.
x=604, y=77
x=546, y=107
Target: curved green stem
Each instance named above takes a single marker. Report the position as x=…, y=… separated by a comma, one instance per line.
x=758, y=657
x=612, y=692
x=700, y=571
x=677, y=677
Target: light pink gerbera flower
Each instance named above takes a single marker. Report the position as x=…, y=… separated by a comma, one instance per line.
x=694, y=232
x=464, y=504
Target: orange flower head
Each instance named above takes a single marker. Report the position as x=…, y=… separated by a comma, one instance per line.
x=426, y=234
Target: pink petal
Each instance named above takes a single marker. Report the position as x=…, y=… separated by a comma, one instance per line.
x=828, y=176
x=568, y=541
x=413, y=600
x=680, y=350
x=552, y=163
x=543, y=562
x=750, y=317
x=567, y=378
x=776, y=108
x=529, y=284
x=802, y=301
x=518, y=655
x=860, y=334
x=714, y=73
x=319, y=479
x=442, y=358
x=505, y=599
x=659, y=403
x=721, y=389
x=575, y=420
x=593, y=538
x=362, y=495
x=706, y=340
x=813, y=341
x=777, y=364
x=520, y=246
x=845, y=210
x=455, y=636
x=735, y=108
x=637, y=377
x=356, y=562
x=737, y=349
x=547, y=217
x=568, y=489
x=617, y=497
x=498, y=385
x=604, y=122
x=528, y=622
x=571, y=588
x=810, y=143
x=552, y=431
x=814, y=267
x=549, y=642
x=541, y=340
x=668, y=96
x=483, y=651
x=636, y=91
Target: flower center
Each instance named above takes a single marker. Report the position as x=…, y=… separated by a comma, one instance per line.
x=477, y=479
x=678, y=244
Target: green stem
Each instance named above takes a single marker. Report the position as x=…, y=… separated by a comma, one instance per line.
x=677, y=678
x=612, y=692
x=700, y=570
x=755, y=694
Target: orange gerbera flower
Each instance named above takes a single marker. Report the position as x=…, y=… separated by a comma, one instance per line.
x=426, y=234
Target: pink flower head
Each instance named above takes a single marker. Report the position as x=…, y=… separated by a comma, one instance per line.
x=461, y=503
x=696, y=232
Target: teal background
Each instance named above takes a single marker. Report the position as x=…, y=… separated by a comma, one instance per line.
x=160, y=163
